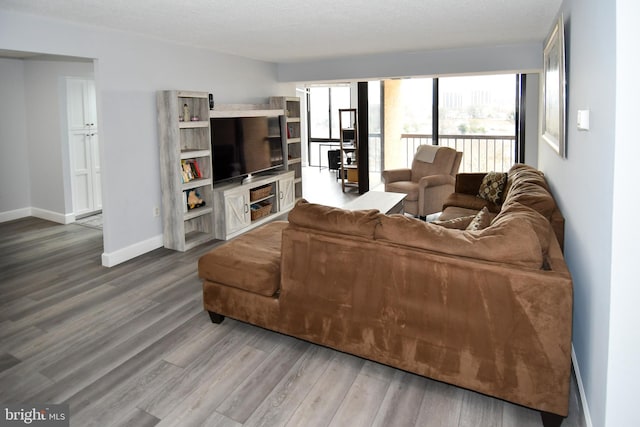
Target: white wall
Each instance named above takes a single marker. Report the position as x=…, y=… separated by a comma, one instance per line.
x=624, y=334
x=129, y=70
x=583, y=184
x=15, y=188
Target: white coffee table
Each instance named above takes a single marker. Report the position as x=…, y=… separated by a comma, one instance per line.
x=388, y=203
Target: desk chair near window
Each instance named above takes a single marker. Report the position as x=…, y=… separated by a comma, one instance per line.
x=429, y=181
x=334, y=161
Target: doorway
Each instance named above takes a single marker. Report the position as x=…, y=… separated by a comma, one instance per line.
x=35, y=92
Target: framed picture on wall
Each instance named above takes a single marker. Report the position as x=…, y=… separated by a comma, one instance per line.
x=553, y=118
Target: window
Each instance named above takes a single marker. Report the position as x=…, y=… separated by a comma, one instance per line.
x=323, y=105
x=477, y=105
x=319, y=113
x=417, y=106
x=475, y=115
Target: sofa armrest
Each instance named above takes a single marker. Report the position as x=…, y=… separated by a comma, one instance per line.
x=436, y=180
x=469, y=183
x=432, y=191
x=393, y=175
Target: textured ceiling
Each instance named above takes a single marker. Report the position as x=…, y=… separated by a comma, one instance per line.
x=300, y=30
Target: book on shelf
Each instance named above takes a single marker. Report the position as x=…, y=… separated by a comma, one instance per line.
x=190, y=170
x=196, y=168
x=187, y=174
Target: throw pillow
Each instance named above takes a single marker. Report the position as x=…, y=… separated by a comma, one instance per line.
x=492, y=187
x=480, y=221
x=460, y=223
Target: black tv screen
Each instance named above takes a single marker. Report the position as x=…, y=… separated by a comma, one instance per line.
x=244, y=145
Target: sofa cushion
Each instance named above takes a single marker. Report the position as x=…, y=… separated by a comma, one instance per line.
x=459, y=223
x=334, y=220
x=514, y=211
x=509, y=242
x=520, y=173
x=469, y=201
x=452, y=212
x=480, y=221
x=492, y=187
x=250, y=262
x=525, y=173
x=533, y=196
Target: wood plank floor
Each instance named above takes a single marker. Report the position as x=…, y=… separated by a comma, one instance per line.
x=132, y=346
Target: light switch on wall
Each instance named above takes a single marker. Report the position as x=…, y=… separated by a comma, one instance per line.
x=583, y=119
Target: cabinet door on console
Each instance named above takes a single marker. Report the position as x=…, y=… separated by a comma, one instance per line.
x=286, y=195
x=236, y=210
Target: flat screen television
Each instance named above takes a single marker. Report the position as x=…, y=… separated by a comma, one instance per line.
x=243, y=146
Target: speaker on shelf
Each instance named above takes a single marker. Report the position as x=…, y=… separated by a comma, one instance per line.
x=210, y=101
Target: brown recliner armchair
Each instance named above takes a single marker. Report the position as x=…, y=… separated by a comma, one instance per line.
x=429, y=181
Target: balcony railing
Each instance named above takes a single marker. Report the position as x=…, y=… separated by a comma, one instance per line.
x=481, y=153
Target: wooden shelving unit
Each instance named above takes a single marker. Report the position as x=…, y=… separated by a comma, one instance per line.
x=348, y=125
x=185, y=141
x=291, y=134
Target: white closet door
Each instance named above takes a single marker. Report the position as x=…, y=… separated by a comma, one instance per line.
x=91, y=115
x=77, y=104
x=83, y=146
x=81, y=169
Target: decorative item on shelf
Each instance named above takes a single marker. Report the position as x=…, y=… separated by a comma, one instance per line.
x=195, y=118
x=194, y=200
x=186, y=114
x=211, y=104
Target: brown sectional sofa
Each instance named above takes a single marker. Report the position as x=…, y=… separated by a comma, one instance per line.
x=487, y=310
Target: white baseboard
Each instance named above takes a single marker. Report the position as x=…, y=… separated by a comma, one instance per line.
x=15, y=214
x=583, y=399
x=53, y=216
x=60, y=218
x=125, y=254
